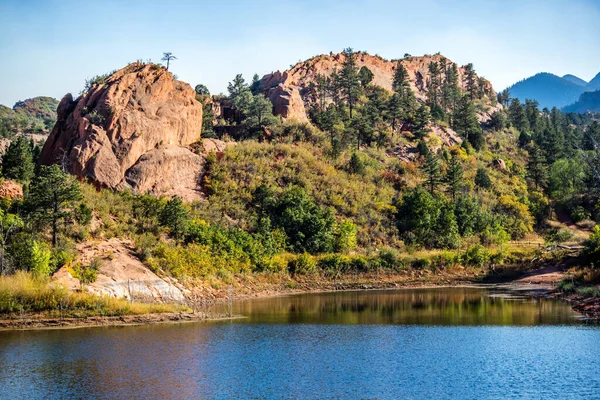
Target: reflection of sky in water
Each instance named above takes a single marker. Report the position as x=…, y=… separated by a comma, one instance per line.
x=341, y=345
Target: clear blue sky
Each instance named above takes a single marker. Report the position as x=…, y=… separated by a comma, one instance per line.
x=51, y=47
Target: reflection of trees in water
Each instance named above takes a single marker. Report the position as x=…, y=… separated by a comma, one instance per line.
x=443, y=306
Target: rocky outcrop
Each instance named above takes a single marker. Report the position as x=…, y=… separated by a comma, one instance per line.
x=10, y=190
x=168, y=171
x=129, y=118
x=500, y=165
x=121, y=274
x=290, y=93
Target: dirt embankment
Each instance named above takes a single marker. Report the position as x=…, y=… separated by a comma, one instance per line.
x=29, y=322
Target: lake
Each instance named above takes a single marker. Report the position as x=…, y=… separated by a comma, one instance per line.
x=444, y=343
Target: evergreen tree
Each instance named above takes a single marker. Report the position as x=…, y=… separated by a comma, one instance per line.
x=356, y=166
x=533, y=114
x=349, y=80
x=52, y=198
x=255, y=84
x=537, y=168
x=17, y=162
x=450, y=89
x=482, y=178
x=470, y=81
x=175, y=216
x=434, y=84
x=446, y=235
x=421, y=121
x=365, y=76
x=396, y=112
x=517, y=116
x=400, y=83
x=591, y=137
x=465, y=122
x=454, y=177
x=432, y=172
x=236, y=87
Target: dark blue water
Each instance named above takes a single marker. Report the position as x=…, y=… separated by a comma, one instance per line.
x=299, y=354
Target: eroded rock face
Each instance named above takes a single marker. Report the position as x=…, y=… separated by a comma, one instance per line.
x=168, y=171
x=108, y=130
x=291, y=97
x=121, y=274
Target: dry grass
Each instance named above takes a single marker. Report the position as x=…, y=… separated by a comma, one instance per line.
x=26, y=293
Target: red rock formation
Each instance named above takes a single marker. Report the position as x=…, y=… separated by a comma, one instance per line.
x=105, y=132
x=291, y=98
x=10, y=190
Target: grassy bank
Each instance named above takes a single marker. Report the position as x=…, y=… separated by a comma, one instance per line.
x=25, y=294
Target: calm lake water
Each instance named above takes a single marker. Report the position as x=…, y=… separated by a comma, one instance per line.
x=460, y=343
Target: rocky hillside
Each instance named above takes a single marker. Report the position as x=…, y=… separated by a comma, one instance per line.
x=588, y=101
x=35, y=115
x=289, y=90
x=130, y=130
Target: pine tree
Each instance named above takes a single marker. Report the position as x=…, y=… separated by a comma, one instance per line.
x=482, y=179
x=450, y=89
x=465, y=122
x=175, y=217
x=400, y=83
x=236, y=87
x=434, y=86
x=349, y=80
x=454, y=177
x=396, y=111
x=516, y=115
x=365, y=76
x=432, y=172
x=17, y=163
x=52, y=198
x=537, y=168
x=470, y=81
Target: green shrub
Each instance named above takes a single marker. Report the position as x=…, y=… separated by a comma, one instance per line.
x=304, y=264
x=145, y=244
x=333, y=264
x=566, y=286
x=40, y=259
x=588, y=291
x=344, y=237
x=477, y=255
x=592, y=246
x=579, y=214
x=388, y=258
x=87, y=273
x=421, y=263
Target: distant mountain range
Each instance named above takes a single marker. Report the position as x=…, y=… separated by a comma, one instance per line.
x=554, y=91
x=588, y=101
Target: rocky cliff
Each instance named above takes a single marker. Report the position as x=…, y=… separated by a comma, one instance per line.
x=289, y=93
x=131, y=130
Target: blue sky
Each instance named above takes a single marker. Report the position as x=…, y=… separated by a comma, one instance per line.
x=51, y=47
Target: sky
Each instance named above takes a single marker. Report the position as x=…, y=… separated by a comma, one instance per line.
x=49, y=48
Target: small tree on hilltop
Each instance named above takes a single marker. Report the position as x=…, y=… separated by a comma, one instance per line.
x=168, y=57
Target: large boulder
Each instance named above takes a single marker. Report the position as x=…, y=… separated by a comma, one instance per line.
x=168, y=171
x=105, y=132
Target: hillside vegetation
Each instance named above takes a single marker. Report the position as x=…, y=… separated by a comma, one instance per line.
x=369, y=184
x=36, y=115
